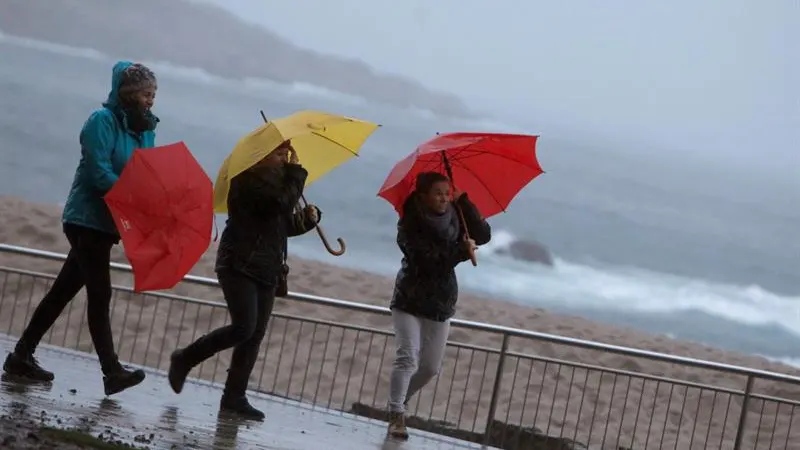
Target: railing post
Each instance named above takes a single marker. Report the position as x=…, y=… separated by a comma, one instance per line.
x=737, y=445
x=496, y=389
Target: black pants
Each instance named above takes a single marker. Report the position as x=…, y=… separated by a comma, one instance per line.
x=87, y=265
x=250, y=306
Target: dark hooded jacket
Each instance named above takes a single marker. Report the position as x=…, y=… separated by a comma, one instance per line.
x=426, y=284
x=261, y=216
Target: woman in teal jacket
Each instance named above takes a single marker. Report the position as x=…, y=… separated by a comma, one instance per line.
x=108, y=139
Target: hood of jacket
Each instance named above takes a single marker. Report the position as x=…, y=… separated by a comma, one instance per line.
x=113, y=102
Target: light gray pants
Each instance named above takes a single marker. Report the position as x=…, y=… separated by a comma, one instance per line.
x=420, y=347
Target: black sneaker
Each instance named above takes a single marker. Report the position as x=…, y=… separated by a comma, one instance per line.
x=26, y=366
x=123, y=379
x=178, y=371
x=241, y=407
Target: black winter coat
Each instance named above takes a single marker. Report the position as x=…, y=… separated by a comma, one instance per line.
x=426, y=284
x=261, y=216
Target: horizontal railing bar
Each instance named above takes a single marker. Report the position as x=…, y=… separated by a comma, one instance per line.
x=769, y=398
x=627, y=373
x=332, y=324
x=575, y=342
x=126, y=289
x=473, y=347
x=379, y=331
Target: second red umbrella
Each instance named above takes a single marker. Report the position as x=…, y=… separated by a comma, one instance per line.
x=491, y=167
x=162, y=206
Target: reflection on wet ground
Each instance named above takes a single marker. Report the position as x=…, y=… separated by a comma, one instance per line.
x=151, y=415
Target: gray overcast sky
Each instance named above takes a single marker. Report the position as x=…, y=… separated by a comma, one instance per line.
x=696, y=75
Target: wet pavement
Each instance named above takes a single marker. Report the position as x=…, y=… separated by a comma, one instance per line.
x=152, y=416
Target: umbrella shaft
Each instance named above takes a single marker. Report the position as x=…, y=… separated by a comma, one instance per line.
x=448, y=170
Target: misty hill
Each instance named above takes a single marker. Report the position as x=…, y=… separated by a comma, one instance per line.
x=197, y=35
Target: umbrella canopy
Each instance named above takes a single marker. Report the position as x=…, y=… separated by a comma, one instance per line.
x=323, y=141
x=491, y=167
x=162, y=206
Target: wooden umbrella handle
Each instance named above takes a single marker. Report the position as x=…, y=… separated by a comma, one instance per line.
x=449, y=172
x=324, y=239
x=342, y=246
x=472, y=256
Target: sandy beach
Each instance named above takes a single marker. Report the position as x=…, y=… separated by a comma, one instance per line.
x=333, y=366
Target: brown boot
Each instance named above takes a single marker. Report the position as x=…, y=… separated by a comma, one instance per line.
x=397, y=425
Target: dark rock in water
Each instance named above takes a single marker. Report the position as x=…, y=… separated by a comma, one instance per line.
x=530, y=251
x=505, y=436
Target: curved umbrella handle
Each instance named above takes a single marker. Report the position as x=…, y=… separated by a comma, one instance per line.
x=473, y=258
x=342, y=246
x=324, y=239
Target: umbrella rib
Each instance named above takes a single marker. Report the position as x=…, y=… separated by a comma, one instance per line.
x=438, y=163
x=184, y=192
x=160, y=182
x=484, y=186
x=476, y=152
x=336, y=143
x=154, y=171
x=469, y=148
x=457, y=153
x=191, y=226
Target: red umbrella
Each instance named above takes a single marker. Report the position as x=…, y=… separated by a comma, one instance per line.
x=162, y=205
x=491, y=167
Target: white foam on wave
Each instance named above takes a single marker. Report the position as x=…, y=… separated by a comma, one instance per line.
x=501, y=240
x=788, y=360
x=52, y=47
x=580, y=286
x=261, y=86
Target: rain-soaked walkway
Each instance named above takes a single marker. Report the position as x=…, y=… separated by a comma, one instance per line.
x=152, y=415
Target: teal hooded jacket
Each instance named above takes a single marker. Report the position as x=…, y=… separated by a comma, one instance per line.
x=106, y=146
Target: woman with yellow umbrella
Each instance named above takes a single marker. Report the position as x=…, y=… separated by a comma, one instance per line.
x=259, y=186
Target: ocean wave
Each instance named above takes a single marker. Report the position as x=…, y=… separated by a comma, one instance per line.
x=505, y=244
x=788, y=360
x=501, y=239
x=52, y=47
x=260, y=86
x=579, y=286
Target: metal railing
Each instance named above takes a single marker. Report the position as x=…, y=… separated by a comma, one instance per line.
x=499, y=385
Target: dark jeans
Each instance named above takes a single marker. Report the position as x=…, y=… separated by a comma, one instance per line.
x=250, y=306
x=87, y=265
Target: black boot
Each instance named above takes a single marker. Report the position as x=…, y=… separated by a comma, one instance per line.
x=178, y=371
x=241, y=407
x=19, y=364
x=121, y=379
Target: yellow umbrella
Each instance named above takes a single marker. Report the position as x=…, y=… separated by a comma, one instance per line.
x=323, y=141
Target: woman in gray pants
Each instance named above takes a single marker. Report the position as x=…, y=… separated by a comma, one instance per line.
x=433, y=241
